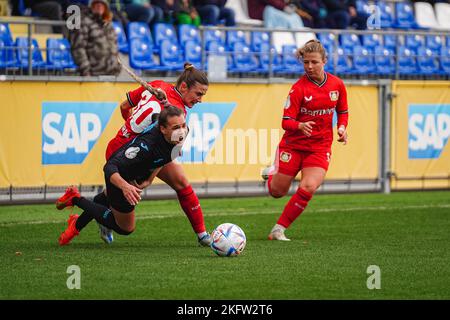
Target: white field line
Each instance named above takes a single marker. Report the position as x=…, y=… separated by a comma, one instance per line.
x=248, y=213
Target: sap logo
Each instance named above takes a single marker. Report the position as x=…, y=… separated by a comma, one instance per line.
x=205, y=124
x=428, y=130
x=71, y=129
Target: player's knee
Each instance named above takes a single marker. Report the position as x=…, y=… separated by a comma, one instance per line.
x=277, y=192
x=309, y=187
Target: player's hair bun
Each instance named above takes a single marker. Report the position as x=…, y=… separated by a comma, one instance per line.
x=188, y=66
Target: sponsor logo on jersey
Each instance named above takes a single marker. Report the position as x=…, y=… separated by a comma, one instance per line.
x=205, y=123
x=71, y=129
x=285, y=156
x=319, y=112
x=132, y=152
x=288, y=102
x=308, y=99
x=428, y=130
x=334, y=95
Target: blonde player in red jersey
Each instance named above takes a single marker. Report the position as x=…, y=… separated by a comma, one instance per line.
x=139, y=111
x=306, y=143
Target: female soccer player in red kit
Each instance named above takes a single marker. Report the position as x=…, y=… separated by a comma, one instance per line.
x=306, y=143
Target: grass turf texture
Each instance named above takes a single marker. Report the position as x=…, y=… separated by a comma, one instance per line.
x=333, y=243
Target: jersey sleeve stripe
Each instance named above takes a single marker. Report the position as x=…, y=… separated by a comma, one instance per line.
x=286, y=118
x=129, y=100
x=344, y=111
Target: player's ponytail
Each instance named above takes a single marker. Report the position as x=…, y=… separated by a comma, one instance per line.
x=191, y=76
x=312, y=46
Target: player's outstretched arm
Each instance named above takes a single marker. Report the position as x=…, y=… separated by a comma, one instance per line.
x=144, y=184
x=125, y=109
x=130, y=192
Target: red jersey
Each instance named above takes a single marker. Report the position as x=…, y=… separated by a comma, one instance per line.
x=145, y=105
x=312, y=101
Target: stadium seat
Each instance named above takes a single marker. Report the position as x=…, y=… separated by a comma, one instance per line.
x=258, y=38
x=59, y=56
x=363, y=61
x=193, y=53
x=187, y=32
x=5, y=33
x=434, y=43
x=349, y=41
x=425, y=16
x=218, y=48
x=390, y=41
x=281, y=38
x=442, y=15
x=384, y=61
x=445, y=60
x=244, y=59
x=122, y=41
x=290, y=62
x=327, y=39
x=241, y=13
x=414, y=42
x=216, y=36
x=141, y=54
x=234, y=36
x=8, y=54
x=22, y=53
x=170, y=56
x=371, y=40
x=139, y=30
x=343, y=64
x=263, y=54
x=386, y=14
x=405, y=16
x=164, y=31
x=428, y=62
x=407, y=62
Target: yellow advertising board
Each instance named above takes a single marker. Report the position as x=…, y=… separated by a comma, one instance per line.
x=55, y=133
x=420, y=155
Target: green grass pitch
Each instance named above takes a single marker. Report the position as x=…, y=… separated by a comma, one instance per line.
x=405, y=234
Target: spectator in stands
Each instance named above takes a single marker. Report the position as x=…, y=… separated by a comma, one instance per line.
x=168, y=10
x=186, y=13
x=94, y=45
x=342, y=14
x=312, y=12
x=213, y=11
x=47, y=9
x=136, y=11
x=275, y=14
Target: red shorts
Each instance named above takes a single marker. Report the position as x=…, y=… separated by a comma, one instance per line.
x=289, y=161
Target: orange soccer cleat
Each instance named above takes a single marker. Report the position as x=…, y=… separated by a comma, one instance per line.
x=66, y=199
x=70, y=232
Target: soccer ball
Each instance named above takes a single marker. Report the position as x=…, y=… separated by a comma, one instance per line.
x=228, y=240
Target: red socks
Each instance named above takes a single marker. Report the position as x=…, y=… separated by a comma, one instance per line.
x=294, y=207
x=191, y=207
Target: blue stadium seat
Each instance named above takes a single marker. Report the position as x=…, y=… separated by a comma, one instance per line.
x=384, y=61
x=244, y=59
x=122, y=41
x=141, y=54
x=343, y=64
x=234, y=36
x=371, y=40
x=414, y=42
x=216, y=36
x=8, y=54
x=363, y=61
x=428, y=62
x=259, y=38
x=290, y=61
x=22, y=53
x=434, y=43
x=405, y=16
x=187, y=32
x=171, y=57
x=390, y=41
x=59, y=56
x=5, y=33
x=386, y=14
x=445, y=60
x=263, y=54
x=327, y=39
x=349, y=41
x=407, y=61
x=193, y=53
x=164, y=31
x=139, y=30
